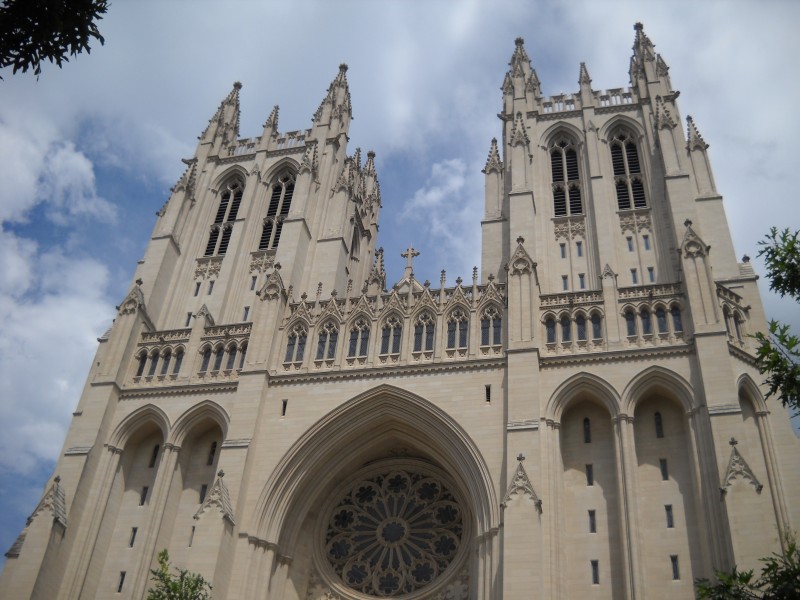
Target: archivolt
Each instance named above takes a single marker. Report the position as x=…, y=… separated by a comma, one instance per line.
x=658, y=378
x=207, y=409
x=135, y=421
x=349, y=431
x=588, y=385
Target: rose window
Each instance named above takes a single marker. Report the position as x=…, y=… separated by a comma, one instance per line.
x=394, y=533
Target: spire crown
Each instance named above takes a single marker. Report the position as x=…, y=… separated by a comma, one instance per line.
x=583, y=78
x=520, y=62
x=225, y=121
x=493, y=162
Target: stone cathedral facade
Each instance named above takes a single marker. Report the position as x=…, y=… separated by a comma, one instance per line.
x=582, y=418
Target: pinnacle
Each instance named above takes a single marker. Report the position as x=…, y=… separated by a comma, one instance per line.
x=493, y=162
x=519, y=41
x=237, y=85
x=520, y=63
x=343, y=68
x=584, y=75
x=695, y=140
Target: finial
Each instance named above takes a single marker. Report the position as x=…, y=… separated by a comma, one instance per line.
x=277, y=266
x=521, y=457
x=370, y=154
x=687, y=223
x=474, y=273
x=343, y=68
x=221, y=473
x=519, y=41
x=638, y=26
x=459, y=280
x=57, y=479
x=745, y=259
x=237, y=85
x=491, y=277
x=303, y=296
x=334, y=293
x=520, y=240
x=427, y=283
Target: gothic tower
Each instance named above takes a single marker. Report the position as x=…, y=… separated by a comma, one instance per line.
x=583, y=417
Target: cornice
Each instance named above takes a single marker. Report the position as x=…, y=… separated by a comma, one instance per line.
x=616, y=108
x=636, y=354
x=278, y=379
x=180, y=390
x=564, y=114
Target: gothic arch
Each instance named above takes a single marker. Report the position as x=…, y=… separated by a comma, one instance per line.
x=621, y=123
x=236, y=172
x=657, y=378
x=149, y=413
x=314, y=461
x=285, y=164
x=750, y=390
x=207, y=409
x=571, y=132
x=589, y=384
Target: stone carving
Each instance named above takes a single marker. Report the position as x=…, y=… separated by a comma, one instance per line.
x=273, y=286
x=394, y=533
x=133, y=301
x=521, y=485
x=635, y=221
x=218, y=496
x=208, y=267
x=520, y=262
x=261, y=261
x=570, y=228
x=738, y=467
x=519, y=133
x=692, y=246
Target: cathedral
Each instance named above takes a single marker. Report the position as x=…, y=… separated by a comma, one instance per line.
x=581, y=417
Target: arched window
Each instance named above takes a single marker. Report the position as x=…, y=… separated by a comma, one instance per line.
x=566, y=179
x=457, y=327
x=726, y=315
x=630, y=323
x=491, y=326
x=154, y=456
x=424, y=331
x=647, y=322
x=206, y=359
x=597, y=327
x=737, y=325
x=219, y=354
x=142, y=363
x=231, y=362
x=390, y=337
x=165, y=362
x=153, y=364
x=280, y=201
x=178, y=361
x=627, y=173
x=326, y=346
x=359, y=339
x=661, y=320
x=243, y=353
x=566, y=329
x=550, y=330
x=580, y=325
x=296, y=344
x=212, y=453
x=677, y=323
x=222, y=228
x=587, y=431
x=659, y=425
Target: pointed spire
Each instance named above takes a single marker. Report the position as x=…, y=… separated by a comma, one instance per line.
x=310, y=161
x=583, y=78
x=337, y=98
x=520, y=63
x=357, y=159
x=519, y=134
x=695, y=141
x=271, y=125
x=643, y=48
x=534, y=86
x=225, y=121
x=376, y=280
x=663, y=117
x=662, y=69
x=218, y=496
x=493, y=162
x=369, y=168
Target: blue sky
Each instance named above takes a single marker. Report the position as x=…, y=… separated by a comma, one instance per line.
x=88, y=153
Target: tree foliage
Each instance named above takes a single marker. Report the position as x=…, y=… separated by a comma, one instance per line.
x=778, y=352
x=182, y=585
x=779, y=580
x=32, y=31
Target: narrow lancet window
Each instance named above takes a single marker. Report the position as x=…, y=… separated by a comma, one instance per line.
x=566, y=179
x=279, y=203
x=219, y=237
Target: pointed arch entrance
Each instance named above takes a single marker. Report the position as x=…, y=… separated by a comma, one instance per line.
x=385, y=433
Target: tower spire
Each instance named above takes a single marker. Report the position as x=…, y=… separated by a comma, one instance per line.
x=583, y=78
x=336, y=103
x=225, y=122
x=520, y=62
x=271, y=125
x=647, y=67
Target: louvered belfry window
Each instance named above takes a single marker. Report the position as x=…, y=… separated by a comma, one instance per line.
x=627, y=173
x=221, y=230
x=567, y=198
x=280, y=200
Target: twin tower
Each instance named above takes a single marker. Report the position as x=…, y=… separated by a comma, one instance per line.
x=582, y=418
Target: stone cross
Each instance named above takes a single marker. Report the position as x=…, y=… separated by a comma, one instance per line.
x=521, y=457
x=409, y=255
